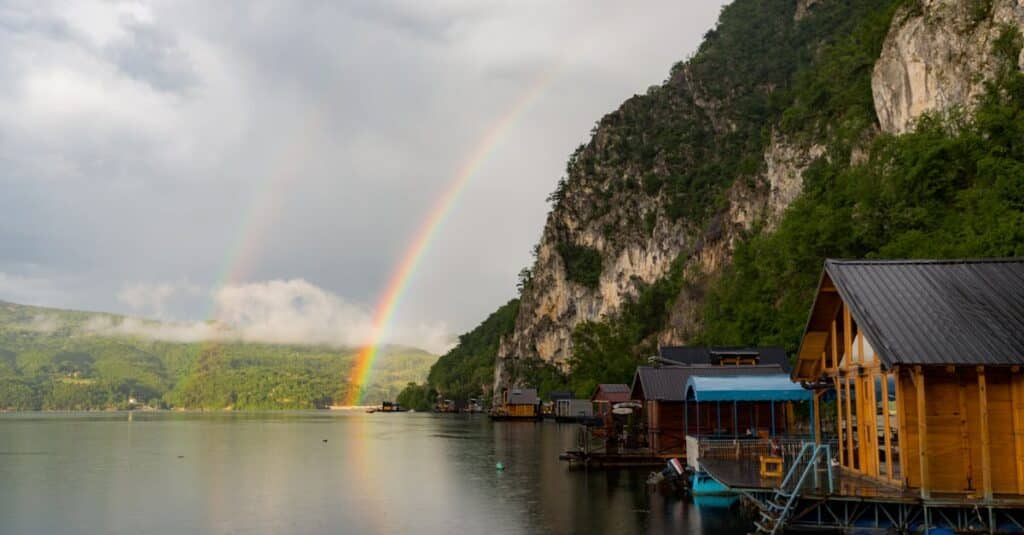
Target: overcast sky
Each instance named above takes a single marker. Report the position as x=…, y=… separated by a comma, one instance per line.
x=153, y=152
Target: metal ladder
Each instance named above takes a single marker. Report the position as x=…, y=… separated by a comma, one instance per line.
x=776, y=510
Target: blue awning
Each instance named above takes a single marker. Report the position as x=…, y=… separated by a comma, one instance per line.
x=746, y=388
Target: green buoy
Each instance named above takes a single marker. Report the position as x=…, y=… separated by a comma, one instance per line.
x=500, y=467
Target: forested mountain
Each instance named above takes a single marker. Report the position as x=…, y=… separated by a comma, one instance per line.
x=57, y=359
x=702, y=210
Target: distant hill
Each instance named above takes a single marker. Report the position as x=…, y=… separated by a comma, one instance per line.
x=61, y=359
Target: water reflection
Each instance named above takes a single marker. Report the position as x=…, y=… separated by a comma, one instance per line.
x=317, y=472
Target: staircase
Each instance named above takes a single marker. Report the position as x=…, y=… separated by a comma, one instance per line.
x=805, y=472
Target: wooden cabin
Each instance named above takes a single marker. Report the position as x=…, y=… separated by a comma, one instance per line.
x=662, y=391
x=925, y=359
x=518, y=404
x=606, y=395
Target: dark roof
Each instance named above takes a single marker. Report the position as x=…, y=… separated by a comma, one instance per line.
x=523, y=396
x=560, y=394
x=936, y=312
x=710, y=355
x=668, y=383
x=614, y=392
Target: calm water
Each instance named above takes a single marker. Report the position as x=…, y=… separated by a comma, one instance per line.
x=164, y=473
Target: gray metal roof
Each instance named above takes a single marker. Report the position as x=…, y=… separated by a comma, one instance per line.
x=613, y=388
x=936, y=312
x=710, y=355
x=668, y=383
x=523, y=396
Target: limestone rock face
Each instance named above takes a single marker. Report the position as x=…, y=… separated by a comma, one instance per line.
x=938, y=55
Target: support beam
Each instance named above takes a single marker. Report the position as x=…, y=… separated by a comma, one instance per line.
x=965, y=438
x=1017, y=413
x=835, y=346
x=847, y=335
x=986, y=451
x=860, y=348
x=816, y=416
x=839, y=421
x=849, y=427
x=886, y=432
x=922, y=432
x=901, y=424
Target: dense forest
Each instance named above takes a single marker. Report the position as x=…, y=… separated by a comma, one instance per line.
x=49, y=360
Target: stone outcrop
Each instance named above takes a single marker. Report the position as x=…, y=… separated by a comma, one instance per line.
x=937, y=56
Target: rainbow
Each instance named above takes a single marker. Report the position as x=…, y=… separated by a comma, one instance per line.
x=402, y=274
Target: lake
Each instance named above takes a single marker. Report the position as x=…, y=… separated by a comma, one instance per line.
x=317, y=472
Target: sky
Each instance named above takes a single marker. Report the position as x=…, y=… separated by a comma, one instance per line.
x=268, y=164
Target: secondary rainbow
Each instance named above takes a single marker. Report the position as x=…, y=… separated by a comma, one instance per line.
x=403, y=273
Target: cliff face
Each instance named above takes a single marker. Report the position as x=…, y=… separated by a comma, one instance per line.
x=655, y=185
x=938, y=56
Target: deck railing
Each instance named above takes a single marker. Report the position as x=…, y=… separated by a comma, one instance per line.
x=751, y=448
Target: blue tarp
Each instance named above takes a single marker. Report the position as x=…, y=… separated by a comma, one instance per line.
x=745, y=388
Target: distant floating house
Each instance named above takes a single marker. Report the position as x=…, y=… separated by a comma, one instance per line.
x=925, y=358
x=606, y=395
x=668, y=417
x=518, y=404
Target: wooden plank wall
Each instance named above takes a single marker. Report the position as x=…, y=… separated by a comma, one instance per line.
x=955, y=438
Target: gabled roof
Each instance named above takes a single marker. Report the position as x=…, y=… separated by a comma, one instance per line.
x=523, y=396
x=691, y=355
x=968, y=312
x=774, y=387
x=668, y=383
x=614, y=392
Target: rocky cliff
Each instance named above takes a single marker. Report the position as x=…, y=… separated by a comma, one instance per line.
x=680, y=175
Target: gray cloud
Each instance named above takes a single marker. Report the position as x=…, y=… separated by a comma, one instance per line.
x=210, y=141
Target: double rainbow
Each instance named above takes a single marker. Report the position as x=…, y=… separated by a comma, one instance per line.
x=403, y=273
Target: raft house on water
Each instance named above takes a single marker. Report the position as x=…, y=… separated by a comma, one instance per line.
x=518, y=404
x=920, y=362
x=683, y=398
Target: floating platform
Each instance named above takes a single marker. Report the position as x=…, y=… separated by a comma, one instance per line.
x=626, y=459
x=866, y=505
x=513, y=418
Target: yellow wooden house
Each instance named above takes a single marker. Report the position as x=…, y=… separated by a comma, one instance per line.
x=924, y=359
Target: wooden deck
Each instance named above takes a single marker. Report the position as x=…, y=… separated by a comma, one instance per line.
x=742, y=475
x=623, y=459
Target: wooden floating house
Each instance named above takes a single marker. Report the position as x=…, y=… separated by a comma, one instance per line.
x=606, y=395
x=925, y=360
x=518, y=404
x=668, y=417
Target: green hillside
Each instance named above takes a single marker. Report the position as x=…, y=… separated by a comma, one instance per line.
x=50, y=360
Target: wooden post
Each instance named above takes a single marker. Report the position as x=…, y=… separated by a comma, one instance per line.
x=839, y=421
x=885, y=426
x=872, y=420
x=986, y=452
x=965, y=440
x=835, y=347
x=847, y=335
x=849, y=427
x=901, y=424
x=860, y=347
x=922, y=432
x=1017, y=413
x=817, y=417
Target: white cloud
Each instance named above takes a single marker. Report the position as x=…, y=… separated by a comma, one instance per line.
x=274, y=312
